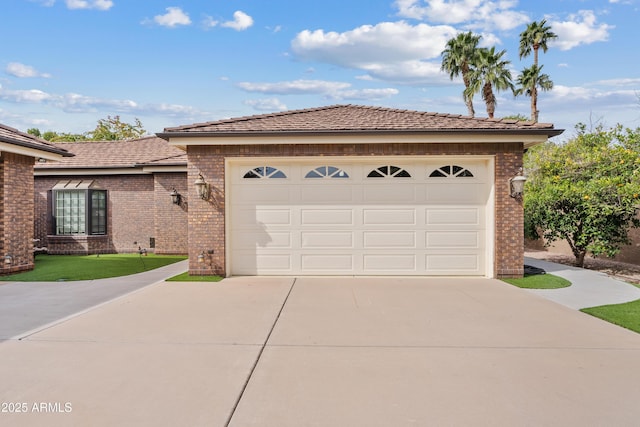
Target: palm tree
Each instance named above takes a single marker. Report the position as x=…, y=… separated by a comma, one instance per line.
x=489, y=72
x=534, y=37
x=460, y=52
x=528, y=83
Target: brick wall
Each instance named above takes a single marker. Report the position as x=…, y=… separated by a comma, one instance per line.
x=207, y=222
x=16, y=212
x=170, y=219
x=139, y=213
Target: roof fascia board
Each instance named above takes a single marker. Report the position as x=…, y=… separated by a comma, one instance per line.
x=88, y=171
x=29, y=151
x=528, y=139
x=167, y=168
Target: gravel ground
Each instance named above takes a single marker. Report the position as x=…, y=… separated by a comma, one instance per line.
x=620, y=270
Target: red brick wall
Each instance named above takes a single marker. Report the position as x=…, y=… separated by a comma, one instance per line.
x=207, y=222
x=139, y=209
x=170, y=219
x=16, y=212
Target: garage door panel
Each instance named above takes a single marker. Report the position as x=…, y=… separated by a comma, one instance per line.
x=386, y=239
x=327, y=239
x=390, y=262
x=453, y=239
x=326, y=217
x=251, y=239
x=252, y=263
x=452, y=216
x=453, y=263
x=389, y=216
x=261, y=218
x=329, y=194
x=261, y=194
x=327, y=262
x=459, y=194
x=389, y=193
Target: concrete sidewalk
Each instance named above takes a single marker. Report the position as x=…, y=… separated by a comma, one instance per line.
x=588, y=288
x=325, y=352
x=28, y=306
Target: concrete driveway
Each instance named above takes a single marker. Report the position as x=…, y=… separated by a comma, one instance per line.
x=325, y=352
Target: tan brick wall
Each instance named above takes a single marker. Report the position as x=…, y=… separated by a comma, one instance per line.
x=207, y=222
x=16, y=212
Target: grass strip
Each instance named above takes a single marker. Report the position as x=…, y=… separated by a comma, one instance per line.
x=626, y=315
x=56, y=268
x=539, y=281
x=185, y=277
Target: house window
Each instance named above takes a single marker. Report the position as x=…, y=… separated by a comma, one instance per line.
x=77, y=209
x=327, y=172
x=265, y=172
x=451, y=171
x=389, y=172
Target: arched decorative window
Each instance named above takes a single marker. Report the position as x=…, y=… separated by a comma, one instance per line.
x=451, y=171
x=265, y=172
x=326, y=172
x=389, y=172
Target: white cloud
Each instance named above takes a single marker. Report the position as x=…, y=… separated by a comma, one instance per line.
x=32, y=96
x=17, y=69
x=480, y=14
x=580, y=28
x=330, y=90
x=294, y=87
x=269, y=104
x=89, y=4
x=173, y=18
x=241, y=21
x=46, y=3
x=384, y=50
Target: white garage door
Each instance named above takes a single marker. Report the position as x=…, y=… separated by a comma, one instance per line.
x=324, y=216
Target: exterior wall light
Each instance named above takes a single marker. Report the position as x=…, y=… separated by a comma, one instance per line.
x=202, y=187
x=8, y=259
x=516, y=185
x=175, y=197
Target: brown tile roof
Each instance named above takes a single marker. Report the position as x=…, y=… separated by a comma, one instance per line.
x=15, y=137
x=118, y=154
x=357, y=118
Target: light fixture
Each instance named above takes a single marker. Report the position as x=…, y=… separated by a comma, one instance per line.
x=516, y=185
x=175, y=197
x=8, y=259
x=201, y=257
x=202, y=187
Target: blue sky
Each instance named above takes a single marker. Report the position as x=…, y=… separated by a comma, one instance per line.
x=64, y=64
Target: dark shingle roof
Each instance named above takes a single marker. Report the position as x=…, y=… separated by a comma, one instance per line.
x=15, y=137
x=118, y=154
x=356, y=118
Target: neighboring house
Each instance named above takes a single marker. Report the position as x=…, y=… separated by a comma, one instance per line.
x=355, y=190
x=18, y=153
x=113, y=197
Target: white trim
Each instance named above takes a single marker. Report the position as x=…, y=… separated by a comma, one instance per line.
x=528, y=140
x=27, y=151
x=84, y=172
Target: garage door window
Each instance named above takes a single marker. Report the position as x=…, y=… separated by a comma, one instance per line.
x=265, y=172
x=326, y=172
x=451, y=171
x=389, y=172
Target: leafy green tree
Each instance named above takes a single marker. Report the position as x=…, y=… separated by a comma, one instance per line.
x=34, y=132
x=532, y=39
x=585, y=191
x=529, y=81
x=114, y=129
x=489, y=72
x=457, y=58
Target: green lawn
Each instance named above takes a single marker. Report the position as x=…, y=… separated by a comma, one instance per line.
x=185, y=277
x=626, y=315
x=52, y=268
x=539, y=281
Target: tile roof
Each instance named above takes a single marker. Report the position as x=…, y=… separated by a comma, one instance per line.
x=356, y=118
x=118, y=154
x=15, y=137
